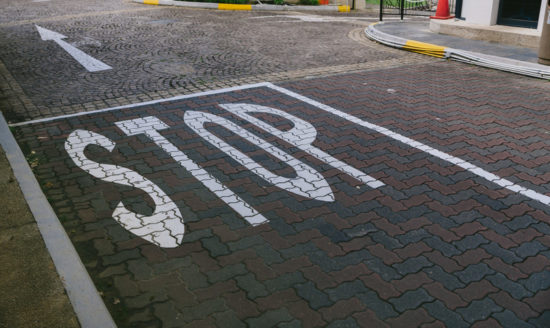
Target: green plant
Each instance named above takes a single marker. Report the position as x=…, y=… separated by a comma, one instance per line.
x=279, y=2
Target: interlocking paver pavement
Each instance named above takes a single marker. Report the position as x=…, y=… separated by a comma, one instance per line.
x=436, y=245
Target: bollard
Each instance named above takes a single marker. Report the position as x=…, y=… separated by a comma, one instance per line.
x=544, y=45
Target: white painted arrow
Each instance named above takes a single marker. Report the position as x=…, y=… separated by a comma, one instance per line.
x=90, y=63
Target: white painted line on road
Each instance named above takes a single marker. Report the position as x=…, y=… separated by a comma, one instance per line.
x=425, y=148
x=150, y=126
x=415, y=144
x=87, y=304
x=151, y=102
x=90, y=63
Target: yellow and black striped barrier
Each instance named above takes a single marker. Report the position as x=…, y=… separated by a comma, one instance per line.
x=230, y=6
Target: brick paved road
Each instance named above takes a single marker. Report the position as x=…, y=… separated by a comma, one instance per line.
x=163, y=49
x=435, y=245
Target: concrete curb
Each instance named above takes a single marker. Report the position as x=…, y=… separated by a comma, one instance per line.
x=228, y=6
x=87, y=304
x=469, y=57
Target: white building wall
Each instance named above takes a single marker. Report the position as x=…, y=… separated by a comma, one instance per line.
x=485, y=12
x=541, y=16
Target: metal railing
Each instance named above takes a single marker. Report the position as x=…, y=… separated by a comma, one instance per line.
x=411, y=7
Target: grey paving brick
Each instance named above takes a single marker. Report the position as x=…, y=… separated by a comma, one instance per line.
x=470, y=242
x=439, y=311
x=507, y=318
x=346, y=290
x=504, y=254
x=203, y=310
x=284, y=281
x=412, y=265
x=495, y=204
x=227, y=272
x=335, y=235
x=542, y=321
x=228, y=319
x=193, y=278
x=389, y=242
x=291, y=324
x=252, y=286
x=347, y=323
x=146, y=299
x=270, y=319
x=542, y=227
x=413, y=236
x=466, y=216
x=140, y=269
x=302, y=249
x=316, y=298
x=192, y=236
x=314, y=223
x=169, y=315
x=528, y=249
x=360, y=230
x=383, y=309
x=474, y=272
x=282, y=227
x=172, y=265
x=411, y=300
x=246, y=242
x=517, y=290
x=479, y=310
x=521, y=222
x=450, y=281
x=121, y=256
x=214, y=246
x=445, y=248
x=497, y=227
x=386, y=272
x=537, y=281
x=268, y=254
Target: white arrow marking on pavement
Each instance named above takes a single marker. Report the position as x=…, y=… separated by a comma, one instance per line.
x=90, y=63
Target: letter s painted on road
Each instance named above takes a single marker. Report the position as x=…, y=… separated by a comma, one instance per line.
x=164, y=227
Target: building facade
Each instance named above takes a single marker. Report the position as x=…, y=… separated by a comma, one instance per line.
x=519, y=13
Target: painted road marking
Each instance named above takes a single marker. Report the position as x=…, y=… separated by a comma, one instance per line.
x=307, y=183
x=425, y=148
x=91, y=64
x=150, y=127
x=301, y=135
x=164, y=227
x=504, y=183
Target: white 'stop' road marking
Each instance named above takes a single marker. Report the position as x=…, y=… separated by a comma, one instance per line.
x=425, y=148
x=91, y=64
x=415, y=144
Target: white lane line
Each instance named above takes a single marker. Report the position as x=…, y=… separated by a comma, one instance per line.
x=444, y=156
x=87, y=304
x=90, y=63
x=151, y=102
x=420, y=146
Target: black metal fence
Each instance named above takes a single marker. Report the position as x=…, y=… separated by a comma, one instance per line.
x=411, y=7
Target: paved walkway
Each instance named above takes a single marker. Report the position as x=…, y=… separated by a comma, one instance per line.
x=419, y=31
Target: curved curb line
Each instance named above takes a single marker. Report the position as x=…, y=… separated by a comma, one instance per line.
x=87, y=304
x=469, y=57
x=228, y=6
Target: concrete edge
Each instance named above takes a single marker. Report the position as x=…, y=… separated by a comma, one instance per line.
x=489, y=61
x=86, y=301
x=228, y=6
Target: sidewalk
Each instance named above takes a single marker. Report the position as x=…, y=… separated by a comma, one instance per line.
x=416, y=36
